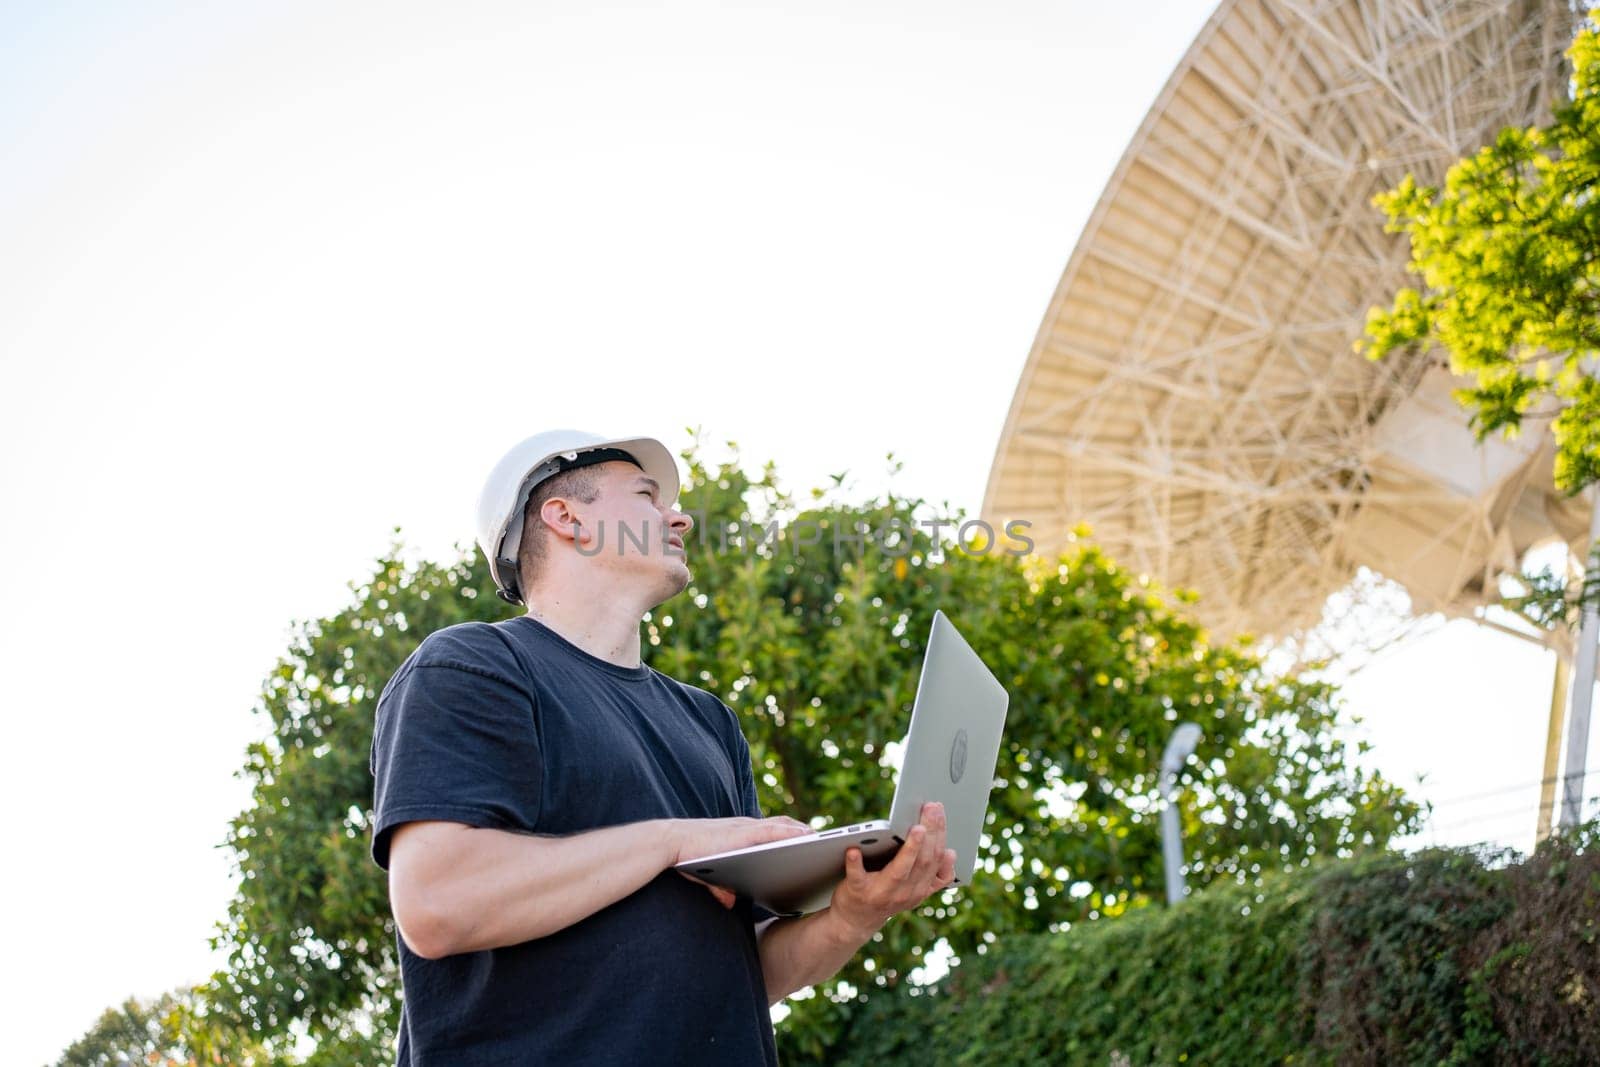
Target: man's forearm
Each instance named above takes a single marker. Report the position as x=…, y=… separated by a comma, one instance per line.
x=462, y=889
x=796, y=953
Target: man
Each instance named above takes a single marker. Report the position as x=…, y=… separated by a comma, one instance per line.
x=535, y=784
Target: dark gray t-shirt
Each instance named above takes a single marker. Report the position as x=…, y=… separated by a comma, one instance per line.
x=507, y=725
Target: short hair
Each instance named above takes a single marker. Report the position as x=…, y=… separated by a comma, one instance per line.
x=583, y=485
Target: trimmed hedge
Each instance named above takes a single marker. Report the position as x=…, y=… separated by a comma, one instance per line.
x=1442, y=957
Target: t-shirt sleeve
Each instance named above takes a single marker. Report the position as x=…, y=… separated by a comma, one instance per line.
x=739, y=753
x=458, y=743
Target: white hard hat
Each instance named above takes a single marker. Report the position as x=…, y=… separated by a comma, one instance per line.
x=506, y=491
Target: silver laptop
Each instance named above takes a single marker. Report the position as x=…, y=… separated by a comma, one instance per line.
x=950, y=754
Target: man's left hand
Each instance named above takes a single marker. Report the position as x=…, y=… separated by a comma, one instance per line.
x=865, y=900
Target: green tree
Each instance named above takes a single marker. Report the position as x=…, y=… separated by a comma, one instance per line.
x=169, y=1031
x=1508, y=256
x=817, y=651
x=135, y=1032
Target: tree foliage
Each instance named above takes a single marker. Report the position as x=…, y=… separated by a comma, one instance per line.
x=1508, y=252
x=169, y=1031
x=817, y=651
x=134, y=1032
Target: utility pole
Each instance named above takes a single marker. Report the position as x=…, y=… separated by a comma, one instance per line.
x=1179, y=747
x=1552, y=749
x=1582, y=687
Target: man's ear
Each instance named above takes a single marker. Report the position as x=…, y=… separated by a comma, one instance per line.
x=560, y=519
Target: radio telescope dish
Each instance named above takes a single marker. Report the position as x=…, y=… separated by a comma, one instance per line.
x=1192, y=393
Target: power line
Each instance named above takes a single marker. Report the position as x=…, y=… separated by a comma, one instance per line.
x=1516, y=788
x=1520, y=811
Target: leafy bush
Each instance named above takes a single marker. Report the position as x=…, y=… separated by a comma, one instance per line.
x=1447, y=957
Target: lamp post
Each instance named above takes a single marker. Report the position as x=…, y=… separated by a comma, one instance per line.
x=1179, y=747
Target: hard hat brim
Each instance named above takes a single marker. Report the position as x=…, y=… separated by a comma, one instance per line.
x=656, y=461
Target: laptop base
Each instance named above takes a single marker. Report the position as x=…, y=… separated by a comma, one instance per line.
x=798, y=874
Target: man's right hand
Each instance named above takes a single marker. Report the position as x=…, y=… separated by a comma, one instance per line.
x=693, y=838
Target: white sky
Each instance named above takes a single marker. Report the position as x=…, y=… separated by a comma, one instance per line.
x=280, y=278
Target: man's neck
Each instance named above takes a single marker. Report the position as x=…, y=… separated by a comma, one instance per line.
x=594, y=624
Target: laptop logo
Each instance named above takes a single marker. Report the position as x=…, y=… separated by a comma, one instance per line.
x=958, y=756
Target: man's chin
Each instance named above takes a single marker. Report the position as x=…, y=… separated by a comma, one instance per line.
x=675, y=580
x=680, y=577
